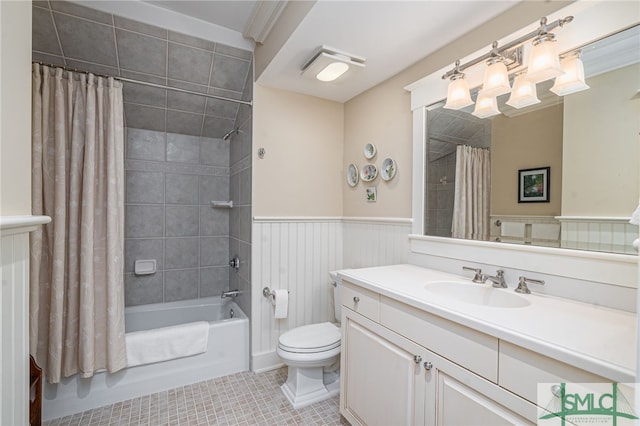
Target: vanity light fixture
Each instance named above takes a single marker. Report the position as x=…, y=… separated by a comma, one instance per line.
x=543, y=64
x=328, y=64
x=458, y=95
x=486, y=106
x=496, y=76
x=572, y=80
x=523, y=93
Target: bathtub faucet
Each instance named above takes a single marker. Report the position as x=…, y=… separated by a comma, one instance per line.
x=229, y=293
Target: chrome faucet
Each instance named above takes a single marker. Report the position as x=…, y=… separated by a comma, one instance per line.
x=522, y=285
x=478, y=277
x=498, y=281
x=229, y=293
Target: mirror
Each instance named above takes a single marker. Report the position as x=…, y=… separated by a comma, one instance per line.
x=587, y=140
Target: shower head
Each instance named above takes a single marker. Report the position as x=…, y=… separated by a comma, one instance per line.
x=229, y=133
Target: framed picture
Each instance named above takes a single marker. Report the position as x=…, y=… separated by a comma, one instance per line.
x=372, y=194
x=533, y=185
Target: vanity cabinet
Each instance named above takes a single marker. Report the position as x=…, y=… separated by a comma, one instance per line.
x=389, y=378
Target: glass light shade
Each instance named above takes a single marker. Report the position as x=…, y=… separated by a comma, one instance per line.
x=523, y=93
x=572, y=80
x=332, y=71
x=458, y=95
x=544, y=63
x=496, y=79
x=486, y=106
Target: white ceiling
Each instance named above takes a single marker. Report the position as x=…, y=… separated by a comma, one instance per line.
x=391, y=35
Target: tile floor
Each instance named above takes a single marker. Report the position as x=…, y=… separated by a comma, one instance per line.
x=239, y=399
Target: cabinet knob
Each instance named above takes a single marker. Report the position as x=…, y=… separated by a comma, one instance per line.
x=417, y=359
x=428, y=365
x=356, y=299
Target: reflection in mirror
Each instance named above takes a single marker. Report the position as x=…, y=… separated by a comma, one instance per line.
x=589, y=140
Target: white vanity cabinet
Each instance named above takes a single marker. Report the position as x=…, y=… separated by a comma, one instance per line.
x=389, y=378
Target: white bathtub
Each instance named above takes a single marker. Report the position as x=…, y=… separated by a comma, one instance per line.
x=227, y=353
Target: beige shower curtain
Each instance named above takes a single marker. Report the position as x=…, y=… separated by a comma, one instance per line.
x=472, y=194
x=77, y=290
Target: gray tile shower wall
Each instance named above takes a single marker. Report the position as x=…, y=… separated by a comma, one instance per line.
x=171, y=179
x=90, y=40
x=176, y=162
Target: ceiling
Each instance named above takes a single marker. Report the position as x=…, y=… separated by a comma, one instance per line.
x=391, y=35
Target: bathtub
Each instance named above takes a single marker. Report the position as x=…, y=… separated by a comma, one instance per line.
x=227, y=353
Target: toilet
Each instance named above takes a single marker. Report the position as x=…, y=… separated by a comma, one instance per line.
x=309, y=351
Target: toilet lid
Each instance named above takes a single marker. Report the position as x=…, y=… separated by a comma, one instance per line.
x=311, y=338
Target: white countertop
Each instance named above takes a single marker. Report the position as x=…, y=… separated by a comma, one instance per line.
x=597, y=339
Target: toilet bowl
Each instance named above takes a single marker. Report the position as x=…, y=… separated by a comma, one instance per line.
x=308, y=351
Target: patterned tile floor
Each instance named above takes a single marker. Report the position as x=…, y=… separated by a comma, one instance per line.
x=239, y=399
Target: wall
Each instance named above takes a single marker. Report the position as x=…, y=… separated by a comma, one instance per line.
x=15, y=199
x=602, y=132
x=523, y=142
x=170, y=180
x=15, y=108
x=301, y=173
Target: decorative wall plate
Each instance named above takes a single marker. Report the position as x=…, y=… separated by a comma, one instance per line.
x=369, y=151
x=388, y=169
x=368, y=173
x=352, y=175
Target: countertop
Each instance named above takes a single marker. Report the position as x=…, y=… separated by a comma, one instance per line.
x=597, y=339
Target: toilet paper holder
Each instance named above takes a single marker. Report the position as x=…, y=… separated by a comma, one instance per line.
x=267, y=292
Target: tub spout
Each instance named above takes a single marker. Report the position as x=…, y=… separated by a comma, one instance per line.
x=229, y=293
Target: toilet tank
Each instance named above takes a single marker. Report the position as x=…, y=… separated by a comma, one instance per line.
x=336, y=282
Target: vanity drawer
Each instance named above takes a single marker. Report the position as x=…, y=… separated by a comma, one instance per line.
x=361, y=300
x=521, y=370
x=475, y=351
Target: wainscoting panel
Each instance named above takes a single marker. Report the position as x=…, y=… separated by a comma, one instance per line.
x=14, y=314
x=297, y=254
x=375, y=242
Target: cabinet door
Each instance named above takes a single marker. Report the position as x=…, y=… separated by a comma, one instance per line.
x=382, y=384
x=457, y=403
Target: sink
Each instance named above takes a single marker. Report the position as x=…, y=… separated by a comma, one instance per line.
x=476, y=294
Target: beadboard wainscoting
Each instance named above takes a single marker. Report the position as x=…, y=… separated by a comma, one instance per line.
x=608, y=234
x=14, y=298
x=375, y=241
x=297, y=253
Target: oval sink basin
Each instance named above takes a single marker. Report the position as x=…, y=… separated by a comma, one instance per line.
x=476, y=294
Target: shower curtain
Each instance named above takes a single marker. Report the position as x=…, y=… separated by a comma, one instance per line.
x=472, y=194
x=76, y=282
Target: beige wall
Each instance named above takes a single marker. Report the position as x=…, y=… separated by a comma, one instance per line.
x=524, y=142
x=382, y=114
x=15, y=108
x=601, y=129
x=301, y=173
x=375, y=117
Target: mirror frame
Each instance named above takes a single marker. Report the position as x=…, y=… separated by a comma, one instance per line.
x=593, y=21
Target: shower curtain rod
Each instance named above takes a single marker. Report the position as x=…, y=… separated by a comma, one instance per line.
x=144, y=83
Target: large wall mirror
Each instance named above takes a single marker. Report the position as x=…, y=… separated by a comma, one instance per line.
x=585, y=145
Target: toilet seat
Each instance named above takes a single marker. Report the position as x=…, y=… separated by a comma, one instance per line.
x=313, y=338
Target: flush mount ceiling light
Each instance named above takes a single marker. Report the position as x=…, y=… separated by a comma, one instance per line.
x=543, y=64
x=572, y=80
x=328, y=64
